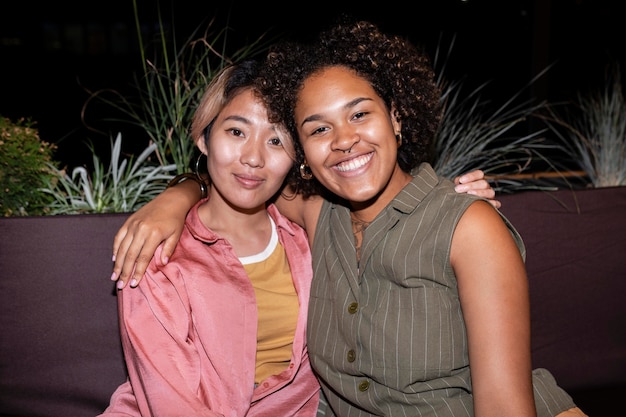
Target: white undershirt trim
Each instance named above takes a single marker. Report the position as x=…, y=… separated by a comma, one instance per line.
x=260, y=257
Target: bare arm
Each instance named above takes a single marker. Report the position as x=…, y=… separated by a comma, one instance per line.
x=161, y=222
x=303, y=211
x=493, y=290
x=158, y=222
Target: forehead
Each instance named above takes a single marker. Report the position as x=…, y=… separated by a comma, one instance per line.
x=245, y=98
x=247, y=108
x=244, y=106
x=331, y=87
x=336, y=77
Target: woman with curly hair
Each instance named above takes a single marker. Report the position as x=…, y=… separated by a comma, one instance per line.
x=419, y=302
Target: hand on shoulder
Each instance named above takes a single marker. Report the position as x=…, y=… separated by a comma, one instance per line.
x=475, y=183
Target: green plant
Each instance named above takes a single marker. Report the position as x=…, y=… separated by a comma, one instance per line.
x=24, y=168
x=592, y=132
x=475, y=133
x=167, y=93
x=471, y=134
x=124, y=187
x=171, y=86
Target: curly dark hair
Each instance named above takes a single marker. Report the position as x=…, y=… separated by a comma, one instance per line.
x=399, y=71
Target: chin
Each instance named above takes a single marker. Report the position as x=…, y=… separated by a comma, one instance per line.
x=359, y=196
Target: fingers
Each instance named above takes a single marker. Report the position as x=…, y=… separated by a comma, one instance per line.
x=160, y=221
x=134, y=246
x=168, y=248
x=118, y=239
x=496, y=203
x=488, y=193
x=480, y=185
x=470, y=177
x=475, y=183
x=141, y=264
x=126, y=250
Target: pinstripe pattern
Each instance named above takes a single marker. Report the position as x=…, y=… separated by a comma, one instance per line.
x=401, y=350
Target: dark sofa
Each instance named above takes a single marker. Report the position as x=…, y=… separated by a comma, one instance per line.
x=60, y=353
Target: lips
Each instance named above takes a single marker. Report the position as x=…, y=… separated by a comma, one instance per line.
x=249, y=181
x=354, y=163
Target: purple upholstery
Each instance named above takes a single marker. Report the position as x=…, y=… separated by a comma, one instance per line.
x=576, y=264
x=60, y=353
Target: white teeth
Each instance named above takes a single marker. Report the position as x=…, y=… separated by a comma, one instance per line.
x=354, y=163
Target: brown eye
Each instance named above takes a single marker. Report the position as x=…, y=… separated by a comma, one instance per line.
x=319, y=130
x=276, y=142
x=235, y=132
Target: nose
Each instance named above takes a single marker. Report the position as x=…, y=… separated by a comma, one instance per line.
x=252, y=153
x=345, y=139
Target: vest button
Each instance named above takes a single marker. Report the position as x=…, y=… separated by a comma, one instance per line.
x=353, y=307
x=351, y=355
x=364, y=386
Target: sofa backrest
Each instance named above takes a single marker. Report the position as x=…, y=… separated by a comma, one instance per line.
x=576, y=264
x=60, y=353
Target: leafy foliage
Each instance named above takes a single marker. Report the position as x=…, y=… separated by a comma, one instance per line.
x=124, y=187
x=592, y=132
x=24, y=168
x=172, y=83
x=476, y=133
x=167, y=94
x=472, y=135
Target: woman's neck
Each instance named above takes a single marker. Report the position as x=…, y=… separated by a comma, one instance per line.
x=248, y=231
x=368, y=210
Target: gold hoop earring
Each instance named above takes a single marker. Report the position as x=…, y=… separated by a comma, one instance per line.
x=305, y=171
x=399, y=138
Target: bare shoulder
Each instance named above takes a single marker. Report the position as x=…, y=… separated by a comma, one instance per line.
x=300, y=210
x=313, y=207
x=482, y=231
x=480, y=218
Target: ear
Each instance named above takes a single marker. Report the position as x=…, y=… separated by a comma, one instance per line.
x=395, y=121
x=201, y=144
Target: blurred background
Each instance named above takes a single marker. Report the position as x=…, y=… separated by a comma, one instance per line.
x=52, y=53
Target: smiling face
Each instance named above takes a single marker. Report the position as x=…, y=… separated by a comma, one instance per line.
x=349, y=138
x=247, y=157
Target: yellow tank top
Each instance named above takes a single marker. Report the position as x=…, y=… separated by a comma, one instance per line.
x=277, y=304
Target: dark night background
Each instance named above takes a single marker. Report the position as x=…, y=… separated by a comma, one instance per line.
x=50, y=52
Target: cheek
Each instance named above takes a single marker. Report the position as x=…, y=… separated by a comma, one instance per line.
x=317, y=164
x=218, y=159
x=314, y=153
x=212, y=167
x=280, y=165
x=222, y=151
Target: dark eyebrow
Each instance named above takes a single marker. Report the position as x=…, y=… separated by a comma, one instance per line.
x=207, y=130
x=238, y=119
x=246, y=121
x=348, y=105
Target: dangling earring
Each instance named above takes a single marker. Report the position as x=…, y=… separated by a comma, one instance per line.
x=194, y=177
x=305, y=171
x=399, y=138
x=196, y=169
